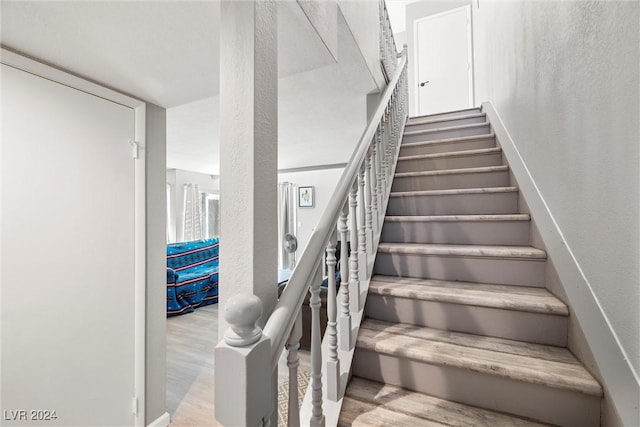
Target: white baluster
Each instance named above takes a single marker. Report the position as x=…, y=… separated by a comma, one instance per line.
x=293, y=361
x=317, y=417
x=333, y=363
x=363, y=267
x=344, y=335
x=387, y=151
x=370, y=195
x=354, y=279
x=375, y=183
x=379, y=173
x=383, y=157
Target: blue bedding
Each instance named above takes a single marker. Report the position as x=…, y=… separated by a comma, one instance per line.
x=192, y=275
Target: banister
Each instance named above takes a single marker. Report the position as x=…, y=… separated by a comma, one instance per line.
x=284, y=315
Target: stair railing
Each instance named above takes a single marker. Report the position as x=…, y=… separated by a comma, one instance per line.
x=388, y=50
x=250, y=355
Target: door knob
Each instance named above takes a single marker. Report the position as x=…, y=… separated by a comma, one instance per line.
x=424, y=83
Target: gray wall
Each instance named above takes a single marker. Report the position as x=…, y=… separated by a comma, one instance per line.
x=564, y=78
x=156, y=144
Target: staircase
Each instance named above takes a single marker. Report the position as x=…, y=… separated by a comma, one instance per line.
x=459, y=328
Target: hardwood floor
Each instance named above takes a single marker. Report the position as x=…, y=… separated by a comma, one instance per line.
x=191, y=339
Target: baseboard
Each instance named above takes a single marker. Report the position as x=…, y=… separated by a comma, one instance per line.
x=162, y=421
x=620, y=380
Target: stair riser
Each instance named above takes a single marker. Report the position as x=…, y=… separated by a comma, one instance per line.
x=451, y=181
x=447, y=147
x=451, y=122
x=454, y=204
x=449, y=115
x=419, y=165
x=457, y=232
x=501, y=271
x=534, y=401
x=444, y=134
x=516, y=325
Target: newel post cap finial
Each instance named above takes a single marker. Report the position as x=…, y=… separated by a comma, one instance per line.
x=241, y=312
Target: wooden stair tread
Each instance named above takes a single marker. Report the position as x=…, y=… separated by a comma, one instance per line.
x=479, y=251
x=428, y=121
x=355, y=412
x=521, y=298
x=448, y=140
x=366, y=402
x=453, y=191
x=426, y=116
x=445, y=129
x=533, y=363
x=457, y=218
x=482, y=169
x=464, y=153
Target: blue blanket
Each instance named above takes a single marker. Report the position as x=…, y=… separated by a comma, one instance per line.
x=192, y=275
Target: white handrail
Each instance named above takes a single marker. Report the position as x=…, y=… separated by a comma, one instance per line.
x=285, y=313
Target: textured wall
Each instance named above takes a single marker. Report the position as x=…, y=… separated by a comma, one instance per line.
x=564, y=76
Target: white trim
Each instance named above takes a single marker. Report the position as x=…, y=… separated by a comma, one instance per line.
x=620, y=380
x=162, y=421
x=140, y=295
x=48, y=72
x=469, y=53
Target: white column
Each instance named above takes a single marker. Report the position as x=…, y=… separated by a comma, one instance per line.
x=248, y=152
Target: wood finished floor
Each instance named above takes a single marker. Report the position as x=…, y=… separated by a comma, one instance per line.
x=191, y=339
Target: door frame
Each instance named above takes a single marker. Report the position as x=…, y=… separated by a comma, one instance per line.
x=56, y=75
x=416, y=51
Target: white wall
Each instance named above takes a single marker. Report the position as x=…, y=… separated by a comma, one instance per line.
x=324, y=182
x=362, y=17
x=564, y=77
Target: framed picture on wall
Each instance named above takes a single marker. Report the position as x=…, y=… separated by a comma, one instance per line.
x=305, y=197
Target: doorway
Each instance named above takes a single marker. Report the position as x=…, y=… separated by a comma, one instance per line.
x=444, y=65
x=72, y=248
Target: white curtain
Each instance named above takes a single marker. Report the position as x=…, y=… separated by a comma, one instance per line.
x=193, y=217
x=286, y=223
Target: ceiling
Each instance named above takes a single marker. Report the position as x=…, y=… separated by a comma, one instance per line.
x=167, y=53
x=163, y=52
x=321, y=115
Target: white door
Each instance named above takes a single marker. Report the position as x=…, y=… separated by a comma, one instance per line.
x=444, y=68
x=67, y=266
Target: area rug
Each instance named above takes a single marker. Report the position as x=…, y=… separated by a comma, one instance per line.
x=283, y=396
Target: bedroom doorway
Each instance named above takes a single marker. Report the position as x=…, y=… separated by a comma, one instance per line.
x=444, y=65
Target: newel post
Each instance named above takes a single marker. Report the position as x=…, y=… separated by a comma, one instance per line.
x=242, y=366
